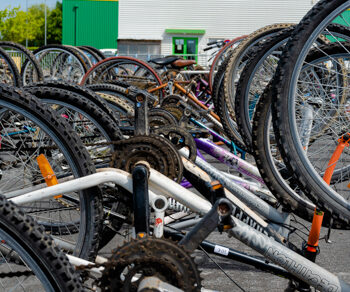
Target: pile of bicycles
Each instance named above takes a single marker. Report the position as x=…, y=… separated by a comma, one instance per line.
x=95, y=151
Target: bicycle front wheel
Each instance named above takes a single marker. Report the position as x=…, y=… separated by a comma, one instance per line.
x=298, y=89
x=29, y=259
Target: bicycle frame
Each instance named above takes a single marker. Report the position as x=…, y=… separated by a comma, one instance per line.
x=230, y=159
x=219, y=137
x=292, y=262
x=214, y=117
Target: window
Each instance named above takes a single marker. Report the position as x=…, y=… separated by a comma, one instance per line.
x=187, y=47
x=143, y=50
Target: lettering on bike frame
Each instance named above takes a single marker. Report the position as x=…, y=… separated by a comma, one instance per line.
x=294, y=263
x=244, y=217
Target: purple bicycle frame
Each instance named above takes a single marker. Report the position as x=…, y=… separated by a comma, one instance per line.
x=229, y=159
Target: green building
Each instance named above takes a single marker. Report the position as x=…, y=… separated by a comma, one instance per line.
x=90, y=22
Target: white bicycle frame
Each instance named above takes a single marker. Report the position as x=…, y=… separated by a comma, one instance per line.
x=160, y=185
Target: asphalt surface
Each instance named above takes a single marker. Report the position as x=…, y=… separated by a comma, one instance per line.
x=333, y=256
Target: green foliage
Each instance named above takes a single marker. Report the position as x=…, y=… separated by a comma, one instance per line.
x=54, y=25
x=17, y=25
x=6, y=13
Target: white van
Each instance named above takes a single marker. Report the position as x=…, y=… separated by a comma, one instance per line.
x=109, y=52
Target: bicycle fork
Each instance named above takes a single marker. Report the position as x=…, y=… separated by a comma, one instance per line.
x=311, y=249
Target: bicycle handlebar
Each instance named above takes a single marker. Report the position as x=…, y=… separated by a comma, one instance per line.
x=208, y=48
x=212, y=43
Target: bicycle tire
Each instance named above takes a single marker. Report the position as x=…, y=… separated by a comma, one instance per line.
x=106, y=65
x=219, y=55
x=16, y=78
x=239, y=54
x=36, y=249
x=275, y=179
x=283, y=90
x=97, y=51
x=244, y=108
x=40, y=52
x=83, y=91
x=28, y=106
x=29, y=55
x=87, y=107
x=222, y=102
x=94, y=58
x=259, y=52
x=82, y=54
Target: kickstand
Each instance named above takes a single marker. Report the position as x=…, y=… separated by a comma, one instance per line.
x=328, y=235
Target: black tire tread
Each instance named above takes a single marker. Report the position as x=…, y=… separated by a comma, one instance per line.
x=318, y=193
x=40, y=246
x=77, y=152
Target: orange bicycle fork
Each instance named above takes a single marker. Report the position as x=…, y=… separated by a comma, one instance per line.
x=311, y=248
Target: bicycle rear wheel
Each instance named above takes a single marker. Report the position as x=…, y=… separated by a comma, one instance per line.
x=29, y=129
x=32, y=72
x=30, y=260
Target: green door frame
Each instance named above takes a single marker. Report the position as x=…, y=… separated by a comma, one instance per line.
x=185, y=46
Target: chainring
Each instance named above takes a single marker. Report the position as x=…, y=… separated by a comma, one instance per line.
x=145, y=257
x=175, y=111
x=180, y=138
x=173, y=100
x=156, y=150
x=158, y=117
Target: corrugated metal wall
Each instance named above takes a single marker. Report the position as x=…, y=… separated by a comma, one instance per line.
x=89, y=22
x=139, y=19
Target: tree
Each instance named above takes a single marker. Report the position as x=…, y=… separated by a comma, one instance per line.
x=36, y=22
x=15, y=28
x=4, y=14
x=54, y=25
x=17, y=25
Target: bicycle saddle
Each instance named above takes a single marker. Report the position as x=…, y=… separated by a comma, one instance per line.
x=182, y=63
x=164, y=61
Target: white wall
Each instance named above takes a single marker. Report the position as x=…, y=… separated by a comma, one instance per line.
x=148, y=19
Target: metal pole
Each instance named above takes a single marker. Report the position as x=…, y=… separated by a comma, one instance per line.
x=45, y=24
x=26, y=23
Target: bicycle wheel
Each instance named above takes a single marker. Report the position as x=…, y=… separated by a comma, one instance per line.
x=259, y=71
x=28, y=129
x=220, y=57
x=131, y=70
x=119, y=101
x=33, y=72
x=9, y=73
x=94, y=127
x=91, y=54
x=30, y=260
x=273, y=170
x=238, y=59
x=288, y=88
x=96, y=51
x=229, y=71
x=83, y=91
x=60, y=63
x=82, y=54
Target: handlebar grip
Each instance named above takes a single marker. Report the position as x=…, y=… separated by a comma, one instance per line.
x=208, y=48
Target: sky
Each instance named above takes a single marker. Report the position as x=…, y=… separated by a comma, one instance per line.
x=22, y=3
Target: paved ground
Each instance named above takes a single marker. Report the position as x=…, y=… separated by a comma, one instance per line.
x=334, y=257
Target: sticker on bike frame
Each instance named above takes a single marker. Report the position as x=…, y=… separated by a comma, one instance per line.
x=221, y=250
